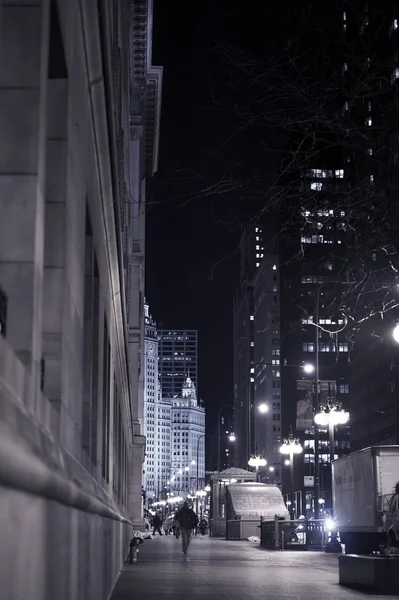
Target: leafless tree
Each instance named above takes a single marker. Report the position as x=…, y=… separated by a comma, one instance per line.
x=332, y=107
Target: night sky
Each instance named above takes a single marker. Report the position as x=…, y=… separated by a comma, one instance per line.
x=192, y=246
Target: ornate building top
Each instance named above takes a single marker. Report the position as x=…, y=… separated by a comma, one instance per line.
x=150, y=324
x=189, y=390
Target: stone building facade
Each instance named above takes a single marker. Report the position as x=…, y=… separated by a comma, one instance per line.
x=157, y=418
x=79, y=122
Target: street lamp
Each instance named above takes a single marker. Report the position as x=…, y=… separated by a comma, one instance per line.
x=198, y=444
x=232, y=437
x=257, y=462
x=263, y=408
x=395, y=333
x=331, y=415
x=291, y=446
x=308, y=368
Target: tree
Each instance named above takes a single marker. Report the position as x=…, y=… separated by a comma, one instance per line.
x=330, y=101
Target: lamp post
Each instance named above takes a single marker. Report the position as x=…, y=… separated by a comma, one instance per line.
x=257, y=462
x=331, y=415
x=219, y=435
x=198, y=443
x=291, y=446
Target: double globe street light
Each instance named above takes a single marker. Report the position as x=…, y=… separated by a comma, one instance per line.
x=291, y=447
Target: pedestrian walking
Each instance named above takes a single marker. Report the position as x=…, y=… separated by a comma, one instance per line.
x=188, y=520
x=157, y=524
x=176, y=528
x=203, y=524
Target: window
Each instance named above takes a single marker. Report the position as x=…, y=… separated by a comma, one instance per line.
x=274, y=288
x=328, y=266
x=312, y=279
x=369, y=121
x=343, y=347
x=275, y=341
x=316, y=185
x=307, y=347
x=370, y=152
x=276, y=352
x=339, y=173
x=345, y=68
x=274, y=268
x=371, y=178
x=252, y=344
x=344, y=388
x=251, y=318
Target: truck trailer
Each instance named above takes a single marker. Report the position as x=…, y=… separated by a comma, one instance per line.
x=363, y=485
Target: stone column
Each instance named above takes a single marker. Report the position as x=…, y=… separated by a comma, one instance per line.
x=135, y=477
x=23, y=94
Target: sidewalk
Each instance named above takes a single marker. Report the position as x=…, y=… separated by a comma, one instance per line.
x=228, y=570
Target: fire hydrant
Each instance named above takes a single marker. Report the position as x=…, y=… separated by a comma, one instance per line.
x=134, y=550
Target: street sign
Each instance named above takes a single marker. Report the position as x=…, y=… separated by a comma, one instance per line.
x=308, y=481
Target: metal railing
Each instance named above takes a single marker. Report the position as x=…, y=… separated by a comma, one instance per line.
x=296, y=534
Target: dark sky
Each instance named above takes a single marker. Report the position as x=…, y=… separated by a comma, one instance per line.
x=192, y=264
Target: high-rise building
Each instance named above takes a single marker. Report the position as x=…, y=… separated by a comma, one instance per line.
x=188, y=441
x=178, y=359
x=143, y=140
x=266, y=370
x=257, y=368
x=251, y=252
x=157, y=417
x=227, y=446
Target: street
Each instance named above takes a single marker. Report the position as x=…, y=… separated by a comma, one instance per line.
x=220, y=569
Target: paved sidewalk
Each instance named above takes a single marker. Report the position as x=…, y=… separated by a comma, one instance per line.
x=228, y=570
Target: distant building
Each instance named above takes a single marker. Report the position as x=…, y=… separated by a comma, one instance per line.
x=257, y=368
x=178, y=359
x=188, y=441
x=227, y=449
x=157, y=417
x=266, y=369
x=244, y=381
x=374, y=384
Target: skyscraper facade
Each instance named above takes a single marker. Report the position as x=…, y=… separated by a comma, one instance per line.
x=188, y=441
x=178, y=359
x=266, y=370
x=257, y=363
x=157, y=417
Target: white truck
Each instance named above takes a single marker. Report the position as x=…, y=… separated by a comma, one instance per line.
x=363, y=485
